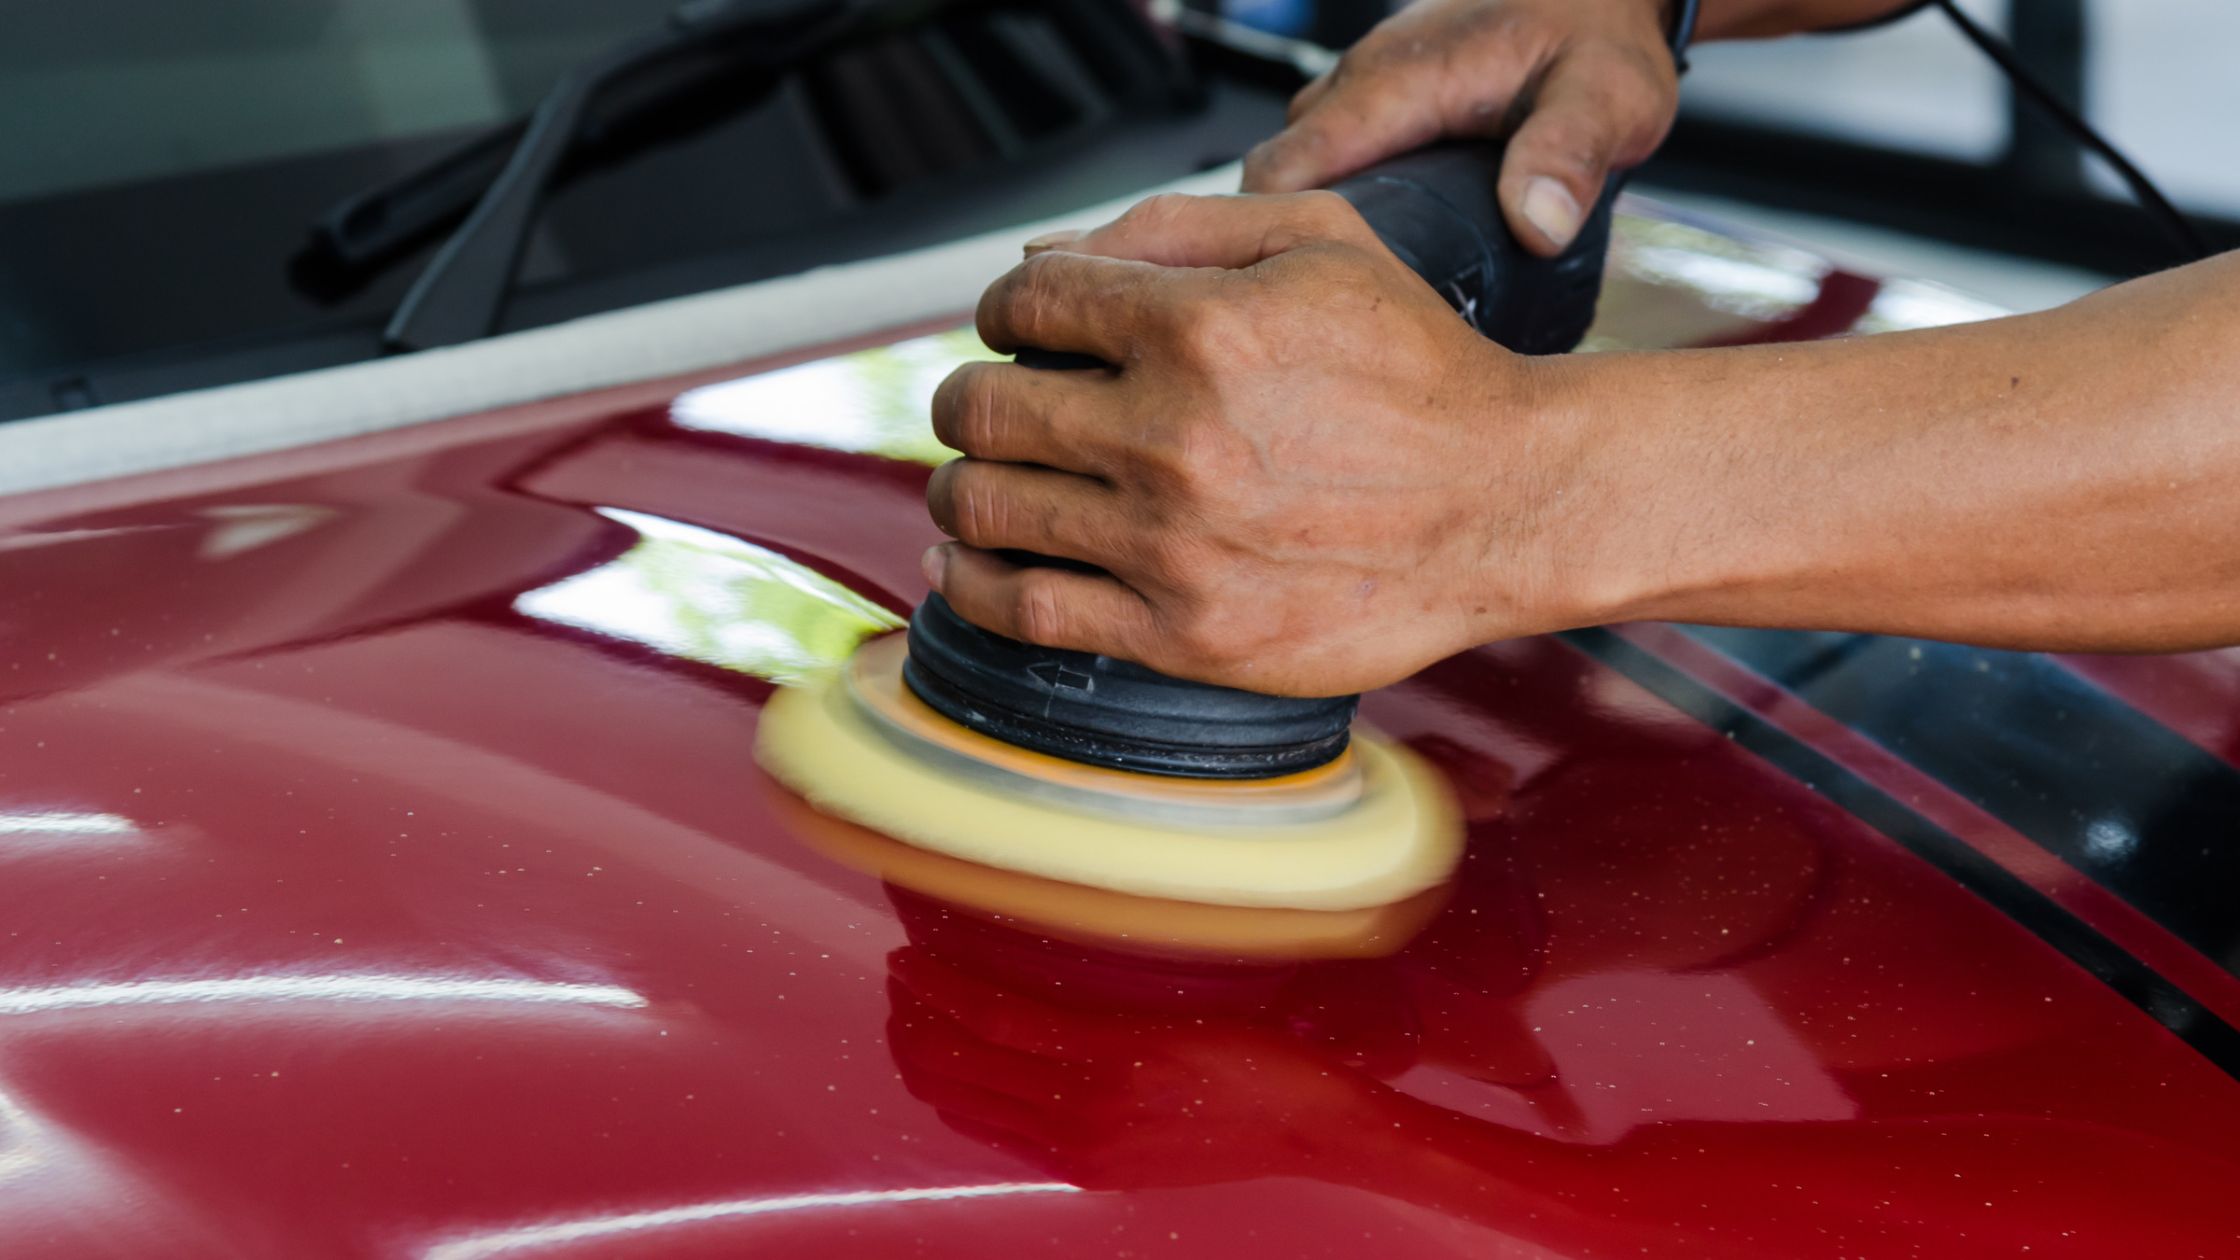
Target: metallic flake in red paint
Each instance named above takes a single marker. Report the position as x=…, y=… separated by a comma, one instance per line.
x=383, y=872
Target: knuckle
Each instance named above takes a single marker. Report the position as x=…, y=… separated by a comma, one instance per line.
x=1037, y=609
x=1169, y=558
x=980, y=423
x=1195, y=473
x=976, y=509
x=1642, y=106
x=1154, y=212
x=1204, y=463
x=1325, y=213
x=1207, y=330
x=939, y=496
x=948, y=402
x=1165, y=469
x=1521, y=28
x=1026, y=295
x=1198, y=638
x=1573, y=147
x=1383, y=50
x=960, y=404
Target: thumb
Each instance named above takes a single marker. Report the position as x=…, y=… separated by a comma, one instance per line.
x=1587, y=120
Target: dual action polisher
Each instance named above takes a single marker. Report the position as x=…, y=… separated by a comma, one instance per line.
x=1095, y=771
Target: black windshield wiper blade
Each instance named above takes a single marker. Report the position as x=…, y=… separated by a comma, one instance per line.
x=459, y=296
x=369, y=225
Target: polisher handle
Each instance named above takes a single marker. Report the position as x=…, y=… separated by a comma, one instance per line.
x=1435, y=208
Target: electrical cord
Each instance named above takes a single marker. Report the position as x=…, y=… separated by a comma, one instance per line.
x=1683, y=32
x=2172, y=221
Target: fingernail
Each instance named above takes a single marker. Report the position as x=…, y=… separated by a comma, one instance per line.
x=934, y=563
x=1550, y=207
x=1051, y=240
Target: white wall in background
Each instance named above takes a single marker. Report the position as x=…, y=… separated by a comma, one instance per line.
x=2160, y=83
x=1914, y=84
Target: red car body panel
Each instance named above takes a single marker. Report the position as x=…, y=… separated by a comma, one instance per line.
x=384, y=871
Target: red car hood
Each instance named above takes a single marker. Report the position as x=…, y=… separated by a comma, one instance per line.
x=384, y=871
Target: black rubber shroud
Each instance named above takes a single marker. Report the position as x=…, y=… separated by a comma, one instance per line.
x=1109, y=712
x=1436, y=210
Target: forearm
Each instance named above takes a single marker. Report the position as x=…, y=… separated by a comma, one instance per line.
x=2066, y=480
x=1760, y=19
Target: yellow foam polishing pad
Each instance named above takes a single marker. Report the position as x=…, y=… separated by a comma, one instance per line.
x=1398, y=835
x=1112, y=920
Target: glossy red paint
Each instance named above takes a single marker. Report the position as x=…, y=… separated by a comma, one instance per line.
x=2137, y=933
x=383, y=872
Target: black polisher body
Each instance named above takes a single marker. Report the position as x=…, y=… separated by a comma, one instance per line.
x=1436, y=210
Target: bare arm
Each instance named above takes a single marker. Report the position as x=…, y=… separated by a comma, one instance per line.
x=2064, y=480
x=1304, y=475
x=1760, y=19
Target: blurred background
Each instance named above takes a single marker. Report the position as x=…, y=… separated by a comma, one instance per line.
x=1904, y=146
x=219, y=191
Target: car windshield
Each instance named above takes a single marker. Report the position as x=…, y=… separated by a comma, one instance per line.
x=167, y=163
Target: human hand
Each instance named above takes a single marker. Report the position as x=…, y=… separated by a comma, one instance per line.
x=1304, y=474
x=1587, y=86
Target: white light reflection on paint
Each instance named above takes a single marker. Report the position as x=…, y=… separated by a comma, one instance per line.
x=314, y=988
x=23, y=1140
x=1904, y=304
x=706, y=596
x=67, y=831
x=598, y=1227
x=2109, y=840
x=1740, y=286
x=243, y=527
x=876, y=401
x=56, y=822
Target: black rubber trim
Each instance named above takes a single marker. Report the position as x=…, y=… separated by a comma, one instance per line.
x=2130, y=804
x=1107, y=712
x=2129, y=978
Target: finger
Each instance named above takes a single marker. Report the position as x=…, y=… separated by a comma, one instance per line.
x=1022, y=415
x=1050, y=240
x=1304, y=99
x=1052, y=607
x=1061, y=299
x=1359, y=116
x=1021, y=507
x=1596, y=111
x=1176, y=230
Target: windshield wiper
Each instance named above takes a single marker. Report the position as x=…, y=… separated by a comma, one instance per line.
x=459, y=296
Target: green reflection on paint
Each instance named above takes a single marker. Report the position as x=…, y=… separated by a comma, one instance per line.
x=706, y=596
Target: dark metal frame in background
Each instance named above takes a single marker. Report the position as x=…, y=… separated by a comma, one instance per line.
x=2034, y=200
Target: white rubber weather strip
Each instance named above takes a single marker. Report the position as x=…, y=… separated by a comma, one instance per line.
x=659, y=339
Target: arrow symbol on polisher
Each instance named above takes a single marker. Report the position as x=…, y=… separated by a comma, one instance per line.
x=1056, y=676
